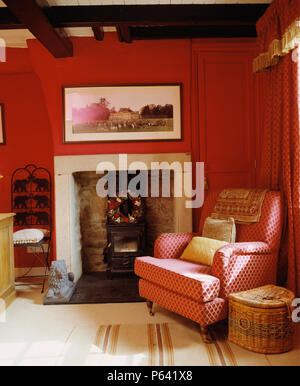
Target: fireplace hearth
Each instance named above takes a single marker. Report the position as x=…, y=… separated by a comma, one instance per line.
x=98, y=287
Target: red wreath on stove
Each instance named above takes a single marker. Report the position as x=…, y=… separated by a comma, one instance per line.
x=115, y=213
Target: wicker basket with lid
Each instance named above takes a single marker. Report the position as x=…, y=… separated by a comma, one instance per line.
x=260, y=319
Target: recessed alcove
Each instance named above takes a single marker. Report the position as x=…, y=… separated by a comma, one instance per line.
x=81, y=213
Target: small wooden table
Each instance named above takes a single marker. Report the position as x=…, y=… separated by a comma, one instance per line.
x=7, y=274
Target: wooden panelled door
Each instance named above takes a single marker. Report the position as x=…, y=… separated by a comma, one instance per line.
x=224, y=121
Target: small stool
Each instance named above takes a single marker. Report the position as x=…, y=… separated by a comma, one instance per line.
x=260, y=319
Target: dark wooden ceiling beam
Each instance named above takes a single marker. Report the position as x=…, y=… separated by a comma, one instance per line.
x=32, y=17
x=191, y=32
x=98, y=33
x=124, y=33
x=8, y=20
x=143, y=15
x=154, y=14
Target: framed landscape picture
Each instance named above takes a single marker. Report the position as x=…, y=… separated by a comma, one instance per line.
x=122, y=113
x=2, y=134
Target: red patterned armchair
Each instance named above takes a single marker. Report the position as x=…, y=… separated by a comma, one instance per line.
x=200, y=292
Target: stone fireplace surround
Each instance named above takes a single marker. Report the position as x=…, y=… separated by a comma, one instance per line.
x=67, y=205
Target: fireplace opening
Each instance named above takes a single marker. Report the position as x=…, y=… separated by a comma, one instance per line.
x=158, y=217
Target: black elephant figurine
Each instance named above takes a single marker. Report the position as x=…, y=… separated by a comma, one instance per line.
x=20, y=186
x=21, y=218
x=42, y=184
x=41, y=201
x=20, y=202
x=42, y=218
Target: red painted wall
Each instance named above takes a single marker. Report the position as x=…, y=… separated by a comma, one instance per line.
x=224, y=112
x=27, y=131
x=112, y=62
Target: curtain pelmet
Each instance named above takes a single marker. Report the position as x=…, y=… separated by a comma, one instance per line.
x=278, y=33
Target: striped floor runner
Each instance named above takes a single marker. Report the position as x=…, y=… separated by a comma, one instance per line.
x=165, y=344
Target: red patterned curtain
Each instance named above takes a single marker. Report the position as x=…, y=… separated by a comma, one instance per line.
x=278, y=66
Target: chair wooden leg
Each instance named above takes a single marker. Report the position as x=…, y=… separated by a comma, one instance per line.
x=150, y=305
x=204, y=331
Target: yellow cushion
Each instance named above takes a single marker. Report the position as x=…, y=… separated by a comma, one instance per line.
x=202, y=250
x=219, y=229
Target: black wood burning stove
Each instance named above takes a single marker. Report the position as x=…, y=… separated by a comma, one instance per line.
x=125, y=233
x=125, y=243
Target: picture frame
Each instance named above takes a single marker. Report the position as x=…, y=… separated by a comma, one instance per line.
x=2, y=125
x=120, y=113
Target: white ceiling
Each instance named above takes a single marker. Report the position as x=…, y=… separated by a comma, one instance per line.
x=17, y=38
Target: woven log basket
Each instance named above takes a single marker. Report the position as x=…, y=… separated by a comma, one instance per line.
x=260, y=319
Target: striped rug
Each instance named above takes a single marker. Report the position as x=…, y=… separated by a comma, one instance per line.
x=166, y=344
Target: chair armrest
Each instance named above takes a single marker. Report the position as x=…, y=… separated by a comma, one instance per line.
x=171, y=245
x=242, y=266
x=247, y=248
